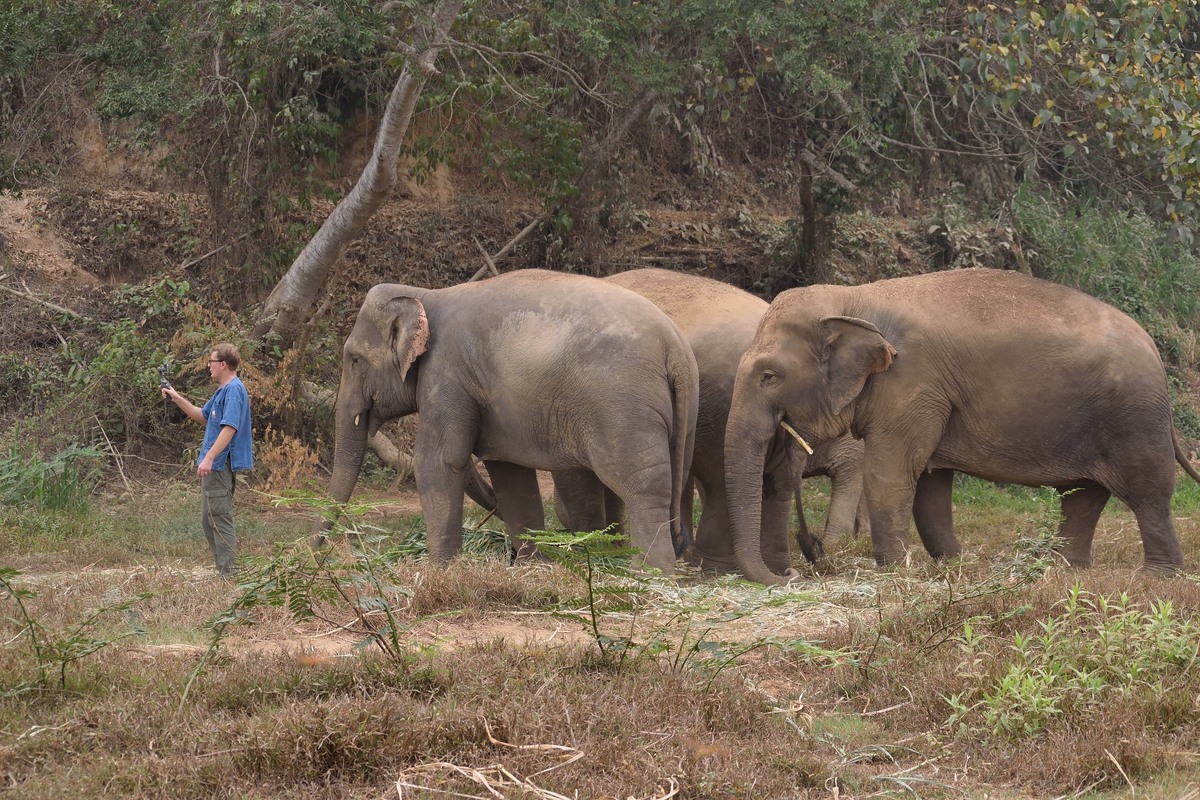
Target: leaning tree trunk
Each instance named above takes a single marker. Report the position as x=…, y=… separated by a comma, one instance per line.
x=289, y=302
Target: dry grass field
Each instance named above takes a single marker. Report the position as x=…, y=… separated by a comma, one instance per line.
x=127, y=669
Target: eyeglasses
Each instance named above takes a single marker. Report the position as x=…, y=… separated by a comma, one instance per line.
x=216, y=361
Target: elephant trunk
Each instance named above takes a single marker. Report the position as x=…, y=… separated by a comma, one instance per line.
x=748, y=435
x=350, y=444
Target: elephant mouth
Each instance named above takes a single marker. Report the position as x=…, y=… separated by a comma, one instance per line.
x=783, y=423
x=370, y=419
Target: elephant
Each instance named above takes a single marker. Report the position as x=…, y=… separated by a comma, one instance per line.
x=991, y=373
x=841, y=460
x=719, y=321
x=521, y=371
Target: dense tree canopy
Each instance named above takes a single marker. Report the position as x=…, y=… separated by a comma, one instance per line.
x=847, y=103
x=255, y=92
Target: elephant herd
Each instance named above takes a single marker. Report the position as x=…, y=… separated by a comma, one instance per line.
x=636, y=390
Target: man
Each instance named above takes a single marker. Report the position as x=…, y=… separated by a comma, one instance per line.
x=226, y=450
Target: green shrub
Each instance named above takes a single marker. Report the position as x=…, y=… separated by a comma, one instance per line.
x=64, y=482
x=1090, y=653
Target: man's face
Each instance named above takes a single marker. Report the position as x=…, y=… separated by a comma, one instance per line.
x=216, y=367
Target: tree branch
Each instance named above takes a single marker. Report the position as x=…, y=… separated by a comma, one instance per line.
x=28, y=295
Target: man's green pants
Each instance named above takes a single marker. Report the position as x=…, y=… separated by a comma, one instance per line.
x=216, y=517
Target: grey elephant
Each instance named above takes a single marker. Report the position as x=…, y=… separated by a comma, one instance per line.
x=991, y=373
x=841, y=460
x=719, y=321
x=521, y=371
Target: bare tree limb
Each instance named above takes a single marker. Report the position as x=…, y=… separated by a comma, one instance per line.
x=391, y=455
x=810, y=158
x=505, y=250
x=28, y=295
x=213, y=252
x=491, y=265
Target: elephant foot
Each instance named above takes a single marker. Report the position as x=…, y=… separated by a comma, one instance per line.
x=1161, y=568
x=720, y=564
x=886, y=560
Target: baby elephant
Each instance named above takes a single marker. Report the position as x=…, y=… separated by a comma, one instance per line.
x=991, y=373
x=519, y=370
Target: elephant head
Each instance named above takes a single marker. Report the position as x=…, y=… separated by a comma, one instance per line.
x=802, y=373
x=379, y=381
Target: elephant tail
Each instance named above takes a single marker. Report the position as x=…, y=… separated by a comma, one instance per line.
x=1181, y=458
x=685, y=384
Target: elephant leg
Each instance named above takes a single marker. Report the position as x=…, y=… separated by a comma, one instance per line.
x=932, y=506
x=614, y=509
x=713, y=545
x=441, y=486
x=892, y=463
x=519, y=502
x=579, y=500
x=648, y=514
x=845, y=490
x=862, y=517
x=1081, y=508
x=890, y=487
x=1147, y=488
x=1160, y=543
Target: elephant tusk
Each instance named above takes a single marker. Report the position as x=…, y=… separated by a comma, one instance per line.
x=358, y=420
x=796, y=436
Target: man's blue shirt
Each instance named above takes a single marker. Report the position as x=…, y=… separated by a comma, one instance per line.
x=229, y=405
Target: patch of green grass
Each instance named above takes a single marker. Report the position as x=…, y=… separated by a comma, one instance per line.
x=1186, y=499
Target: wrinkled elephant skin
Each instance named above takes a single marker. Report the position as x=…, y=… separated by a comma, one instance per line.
x=991, y=373
x=719, y=321
x=521, y=371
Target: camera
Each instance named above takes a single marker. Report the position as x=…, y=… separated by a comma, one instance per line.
x=163, y=383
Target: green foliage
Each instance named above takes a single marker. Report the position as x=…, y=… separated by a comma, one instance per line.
x=1093, y=651
x=1124, y=259
x=64, y=482
x=1111, y=92
x=55, y=650
x=601, y=559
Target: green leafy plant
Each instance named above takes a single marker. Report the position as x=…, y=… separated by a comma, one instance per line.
x=352, y=572
x=601, y=559
x=633, y=613
x=64, y=482
x=1093, y=651
x=54, y=651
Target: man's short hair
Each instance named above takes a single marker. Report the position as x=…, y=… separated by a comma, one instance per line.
x=228, y=353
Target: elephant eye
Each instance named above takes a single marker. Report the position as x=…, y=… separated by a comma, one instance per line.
x=770, y=378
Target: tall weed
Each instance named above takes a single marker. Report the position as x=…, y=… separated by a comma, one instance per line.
x=64, y=482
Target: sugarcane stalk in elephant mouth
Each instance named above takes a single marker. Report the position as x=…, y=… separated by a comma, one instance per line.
x=783, y=424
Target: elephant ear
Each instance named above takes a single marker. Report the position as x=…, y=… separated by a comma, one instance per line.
x=854, y=351
x=409, y=331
